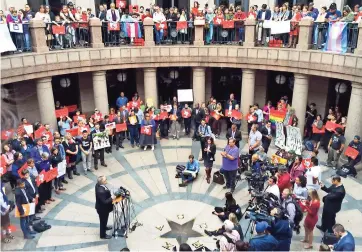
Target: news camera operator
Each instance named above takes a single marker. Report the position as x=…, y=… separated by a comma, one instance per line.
x=103, y=205
x=281, y=230
x=263, y=241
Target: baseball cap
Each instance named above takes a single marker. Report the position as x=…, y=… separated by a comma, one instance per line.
x=357, y=137
x=261, y=227
x=228, y=225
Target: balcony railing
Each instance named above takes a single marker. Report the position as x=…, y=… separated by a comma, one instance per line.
x=20, y=36
x=249, y=33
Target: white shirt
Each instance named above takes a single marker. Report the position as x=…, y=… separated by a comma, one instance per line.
x=254, y=137
x=31, y=183
x=274, y=189
x=314, y=172
x=158, y=17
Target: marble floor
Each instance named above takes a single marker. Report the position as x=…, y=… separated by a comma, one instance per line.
x=166, y=214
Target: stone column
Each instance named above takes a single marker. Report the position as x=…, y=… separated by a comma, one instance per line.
x=305, y=34
x=148, y=30
x=208, y=87
x=261, y=81
x=300, y=98
x=95, y=27
x=354, y=119
x=250, y=26
x=150, y=85
x=199, y=32
x=140, y=86
x=247, y=95
x=198, y=81
x=38, y=39
x=44, y=92
x=359, y=41
x=86, y=92
x=100, y=91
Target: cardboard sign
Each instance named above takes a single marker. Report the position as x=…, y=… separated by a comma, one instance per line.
x=24, y=167
x=279, y=135
x=100, y=140
x=186, y=113
x=51, y=174
x=331, y=126
x=58, y=29
x=237, y=114
x=228, y=24
x=181, y=25
x=7, y=134
x=29, y=209
x=163, y=115
x=160, y=26
x=113, y=26
x=29, y=129
x=146, y=131
x=73, y=131
x=41, y=178
x=61, y=112
x=72, y=108
x=77, y=118
x=307, y=162
x=278, y=160
x=318, y=131
x=215, y=115
x=121, y=127
x=351, y=152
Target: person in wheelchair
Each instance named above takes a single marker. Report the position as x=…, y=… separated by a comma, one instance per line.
x=191, y=171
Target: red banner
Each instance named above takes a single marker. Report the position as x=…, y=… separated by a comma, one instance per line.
x=181, y=25
x=61, y=112
x=121, y=4
x=76, y=118
x=113, y=26
x=237, y=114
x=41, y=178
x=331, y=126
x=7, y=134
x=72, y=108
x=2, y=165
x=227, y=24
x=186, y=113
x=146, y=131
x=73, y=131
x=51, y=174
x=121, y=127
x=58, y=29
x=160, y=26
x=351, y=152
x=318, y=131
x=215, y=115
x=24, y=167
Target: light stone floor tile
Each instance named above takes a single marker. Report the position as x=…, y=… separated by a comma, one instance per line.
x=242, y=197
x=49, y=207
x=113, y=166
x=64, y=235
x=171, y=170
x=200, y=185
x=18, y=243
x=170, y=155
x=89, y=195
x=141, y=159
x=174, y=143
x=137, y=193
x=353, y=188
x=218, y=158
x=93, y=248
x=183, y=155
x=351, y=220
x=154, y=181
x=78, y=213
x=220, y=143
x=76, y=183
x=219, y=192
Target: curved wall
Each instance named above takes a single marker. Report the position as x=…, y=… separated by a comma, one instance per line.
x=39, y=65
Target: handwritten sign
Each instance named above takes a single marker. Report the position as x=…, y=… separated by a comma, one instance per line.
x=279, y=135
x=294, y=140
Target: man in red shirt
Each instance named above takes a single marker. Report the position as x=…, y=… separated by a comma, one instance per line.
x=283, y=178
x=238, y=16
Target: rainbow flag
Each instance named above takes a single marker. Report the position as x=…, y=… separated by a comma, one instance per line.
x=276, y=116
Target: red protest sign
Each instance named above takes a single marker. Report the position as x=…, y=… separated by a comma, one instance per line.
x=217, y=21
x=61, y=112
x=186, y=113
x=146, y=131
x=351, y=152
x=51, y=174
x=2, y=165
x=307, y=162
x=49, y=144
x=228, y=113
x=215, y=115
x=133, y=104
x=160, y=26
x=77, y=118
x=121, y=4
x=121, y=127
x=318, y=131
x=207, y=118
x=331, y=126
x=24, y=167
x=58, y=29
x=163, y=115
x=113, y=26
x=39, y=132
x=41, y=178
x=251, y=118
x=237, y=114
x=227, y=24
x=111, y=117
x=73, y=131
x=72, y=108
x=7, y=134
x=20, y=131
x=181, y=25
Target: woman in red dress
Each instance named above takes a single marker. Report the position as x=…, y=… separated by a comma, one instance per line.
x=311, y=220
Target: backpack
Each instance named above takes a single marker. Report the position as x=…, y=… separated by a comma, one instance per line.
x=298, y=211
x=41, y=226
x=180, y=168
x=344, y=171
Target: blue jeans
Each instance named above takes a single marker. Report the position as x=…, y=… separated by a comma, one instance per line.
x=210, y=33
x=24, y=224
x=187, y=177
x=134, y=134
x=241, y=33
x=159, y=36
x=230, y=177
x=27, y=41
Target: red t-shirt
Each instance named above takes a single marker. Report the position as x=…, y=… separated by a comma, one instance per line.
x=240, y=16
x=283, y=181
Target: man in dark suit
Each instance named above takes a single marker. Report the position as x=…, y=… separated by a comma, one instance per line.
x=98, y=154
x=32, y=190
x=103, y=205
x=22, y=198
x=234, y=133
x=197, y=114
x=119, y=119
x=332, y=203
x=266, y=133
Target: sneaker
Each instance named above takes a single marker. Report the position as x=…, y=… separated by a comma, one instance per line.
x=153, y=147
x=209, y=233
x=145, y=148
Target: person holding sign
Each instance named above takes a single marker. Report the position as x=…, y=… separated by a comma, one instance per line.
x=356, y=145
x=204, y=132
x=335, y=147
x=64, y=124
x=132, y=126
x=71, y=150
x=236, y=117
x=176, y=118
x=98, y=154
x=148, y=125
x=186, y=114
x=120, y=136
x=32, y=190
x=22, y=201
x=85, y=145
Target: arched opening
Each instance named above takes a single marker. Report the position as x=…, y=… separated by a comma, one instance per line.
x=66, y=89
x=224, y=82
x=279, y=84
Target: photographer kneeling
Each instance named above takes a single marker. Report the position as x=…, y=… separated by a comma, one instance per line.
x=281, y=230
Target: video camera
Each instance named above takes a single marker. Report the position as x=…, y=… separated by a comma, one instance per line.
x=122, y=192
x=256, y=181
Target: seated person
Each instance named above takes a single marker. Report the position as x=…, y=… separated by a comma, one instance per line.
x=228, y=238
x=281, y=230
x=262, y=241
x=230, y=207
x=191, y=171
x=220, y=231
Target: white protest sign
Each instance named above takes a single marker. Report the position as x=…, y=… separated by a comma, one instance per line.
x=279, y=135
x=7, y=43
x=294, y=140
x=62, y=168
x=278, y=27
x=185, y=95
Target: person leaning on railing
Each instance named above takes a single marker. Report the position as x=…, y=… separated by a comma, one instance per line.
x=320, y=27
x=58, y=37
x=294, y=28
x=263, y=33
x=67, y=17
x=348, y=15
x=17, y=38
